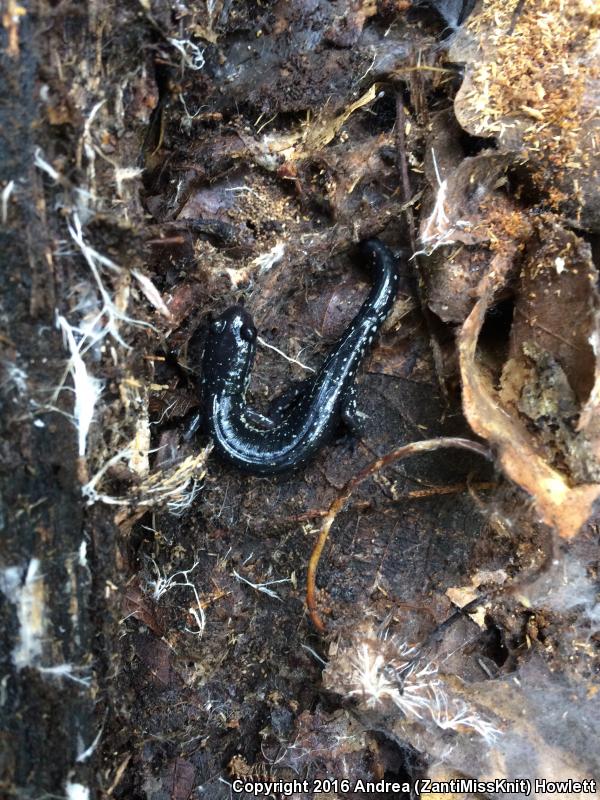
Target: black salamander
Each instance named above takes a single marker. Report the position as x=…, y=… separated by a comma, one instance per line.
x=304, y=421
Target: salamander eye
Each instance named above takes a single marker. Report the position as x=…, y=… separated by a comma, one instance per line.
x=218, y=326
x=248, y=333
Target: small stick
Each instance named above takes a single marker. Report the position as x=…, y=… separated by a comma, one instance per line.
x=403, y=168
x=425, y=446
x=413, y=494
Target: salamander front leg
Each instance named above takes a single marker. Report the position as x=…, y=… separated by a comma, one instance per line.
x=281, y=405
x=278, y=409
x=193, y=424
x=254, y=419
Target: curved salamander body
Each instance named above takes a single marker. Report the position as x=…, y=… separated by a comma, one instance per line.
x=266, y=447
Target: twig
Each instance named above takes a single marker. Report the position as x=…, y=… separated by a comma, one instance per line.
x=403, y=169
x=361, y=505
x=414, y=448
x=410, y=218
x=515, y=16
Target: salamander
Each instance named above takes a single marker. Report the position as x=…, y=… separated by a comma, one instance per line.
x=304, y=420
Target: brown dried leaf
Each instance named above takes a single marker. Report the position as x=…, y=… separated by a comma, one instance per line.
x=180, y=776
x=559, y=505
x=554, y=307
x=137, y=604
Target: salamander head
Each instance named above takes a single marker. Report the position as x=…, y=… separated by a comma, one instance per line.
x=229, y=352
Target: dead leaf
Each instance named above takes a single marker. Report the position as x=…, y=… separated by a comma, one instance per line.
x=559, y=505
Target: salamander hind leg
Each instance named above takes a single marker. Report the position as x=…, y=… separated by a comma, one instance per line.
x=353, y=419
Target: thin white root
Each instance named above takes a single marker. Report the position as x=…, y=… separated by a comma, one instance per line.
x=6, y=193
x=41, y=163
x=164, y=584
x=266, y=261
x=281, y=353
x=65, y=671
x=151, y=293
x=191, y=55
x=176, y=487
x=87, y=388
x=390, y=671
x=95, y=262
x=262, y=587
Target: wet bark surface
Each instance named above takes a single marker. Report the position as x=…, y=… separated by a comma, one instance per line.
x=48, y=598
x=161, y=162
